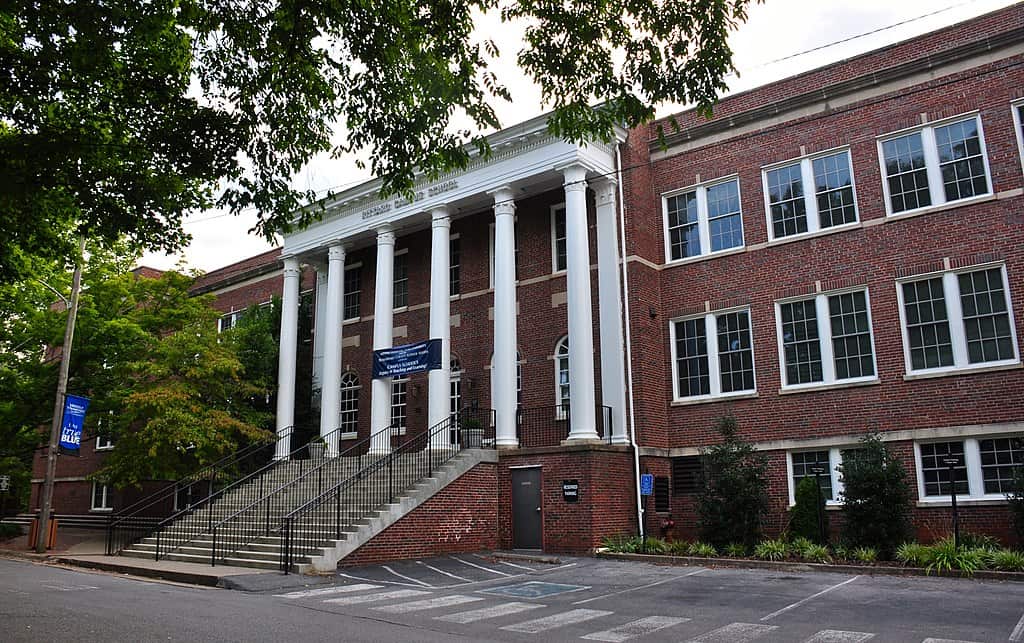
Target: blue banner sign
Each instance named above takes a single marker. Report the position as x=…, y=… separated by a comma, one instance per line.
x=407, y=359
x=646, y=484
x=71, y=424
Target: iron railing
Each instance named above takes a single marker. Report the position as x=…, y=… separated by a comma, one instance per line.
x=548, y=426
x=339, y=509
x=196, y=519
x=140, y=519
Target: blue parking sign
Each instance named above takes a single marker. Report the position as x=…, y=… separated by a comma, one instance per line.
x=646, y=484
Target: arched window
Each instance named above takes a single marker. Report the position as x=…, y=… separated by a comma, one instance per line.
x=455, y=387
x=562, y=375
x=349, y=402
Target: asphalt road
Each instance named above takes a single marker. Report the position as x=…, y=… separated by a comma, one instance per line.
x=472, y=598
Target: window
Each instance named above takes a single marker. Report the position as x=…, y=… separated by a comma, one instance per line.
x=703, y=220
x=399, y=418
x=562, y=376
x=229, y=321
x=812, y=194
x=102, y=499
x=687, y=474
x=802, y=464
x=935, y=165
x=104, y=442
x=1018, y=124
x=984, y=467
x=401, y=280
x=722, y=366
x=349, y=403
x=826, y=339
x=455, y=387
x=353, y=291
x=454, y=278
x=559, y=258
x=662, y=500
x=957, y=320
x=104, y=439
x=519, y=380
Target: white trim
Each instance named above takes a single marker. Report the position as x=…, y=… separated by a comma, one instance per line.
x=555, y=270
x=972, y=458
x=108, y=446
x=835, y=458
x=810, y=195
x=1018, y=127
x=358, y=265
x=703, y=222
x=714, y=376
x=106, y=505
x=556, y=359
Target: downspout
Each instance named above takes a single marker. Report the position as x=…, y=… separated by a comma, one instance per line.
x=629, y=345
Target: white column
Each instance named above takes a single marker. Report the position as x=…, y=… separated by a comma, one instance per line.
x=383, y=328
x=438, y=381
x=286, y=358
x=582, y=425
x=330, y=395
x=319, y=328
x=609, y=302
x=503, y=369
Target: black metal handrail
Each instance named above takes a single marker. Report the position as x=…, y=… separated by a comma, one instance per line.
x=140, y=519
x=548, y=426
x=192, y=521
x=337, y=510
x=262, y=516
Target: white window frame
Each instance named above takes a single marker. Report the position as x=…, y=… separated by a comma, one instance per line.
x=234, y=316
x=353, y=266
x=557, y=358
x=405, y=403
x=107, y=504
x=455, y=372
x=810, y=195
x=954, y=316
x=975, y=481
x=555, y=270
x=347, y=435
x=828, y=360
x=455, y=236
x=490, y=252
x=835, y=458
x=1018, y=127
x=703, y=225
x=714, y=370
x=104, y=443
x=394, y=279
x=520, y=360
x=931, y=157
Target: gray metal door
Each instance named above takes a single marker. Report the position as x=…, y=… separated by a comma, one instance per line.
x=526, y=513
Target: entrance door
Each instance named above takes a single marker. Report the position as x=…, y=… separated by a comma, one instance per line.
x=526, y=514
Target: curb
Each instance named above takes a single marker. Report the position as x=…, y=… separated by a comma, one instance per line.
x=206, y=580
x=532, y=558
x=742, y=563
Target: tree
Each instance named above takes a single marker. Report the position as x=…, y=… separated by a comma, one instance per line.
x=808, y=506
x=876, y=496
x=1016, y=497
x=120, y=118
x=734, y=498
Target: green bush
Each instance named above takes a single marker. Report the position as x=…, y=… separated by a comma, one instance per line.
x=841, y=552
x=8, y=531
x=816, y=553
x=736, y=550
x=1016, y=497
x=945, y=556
x=914, y=554
x=734, y=498
x=876, y=497
x=654, y=546
x=679, y=547
x=800, y=545
x=971, y=540
x=803, y=517
x=1008, y=560
x=621, y=544
x=772, y=549
x=865, y=554
x=704, y=550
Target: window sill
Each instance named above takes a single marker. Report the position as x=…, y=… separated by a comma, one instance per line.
x=101, y=449
x=717, y=398
x=101, y=511
x=960, y=501
x=792, y=390
x=671, y=263
x=970, y=370
x=349, y=436
x=400, y=309
x=949, y=205
x=351, y=320
x=814, y=235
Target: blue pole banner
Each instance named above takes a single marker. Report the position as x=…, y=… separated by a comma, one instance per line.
x=407, y=359
x=72, y=421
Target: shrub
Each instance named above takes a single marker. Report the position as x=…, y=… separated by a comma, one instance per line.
x=736, y=550
x=970, y=540
x=1008, y=560
x=679, y=547
x=705, y=550
x=772, y=549
x=799, y=545
x=816, y=553
x=9, y=531
x=654, y=546
x=734, y=498
x=913, y=554
x=803, y=517
x=841, y=552
x=1016, y=497
x=945, y=556
x=865, y=554
x=621, y=544
x=876, y=497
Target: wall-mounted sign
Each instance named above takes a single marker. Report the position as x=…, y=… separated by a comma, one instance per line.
x=571, y=490
x=71, y=424
x=646, y=484
x=407, y=359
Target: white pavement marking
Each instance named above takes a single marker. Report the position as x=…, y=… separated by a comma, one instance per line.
x=325, y=591
x=483, y=613
x=808, y=599
x=734, y=633
x=441, y=571
x=1018, y=632
x=429, y=604
x=931, y=640
x=636, y=628
x=839, y=636
x=408, y=578
x=633, y=589
x=556, y=620
x=486, y=569
x=377, y=580
x=371, y=598
x=505, y=562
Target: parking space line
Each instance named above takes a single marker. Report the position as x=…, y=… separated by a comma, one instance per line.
x=637, y=628
x=808, y=599
x=326, y=591
x=429, y=604
x=371, y=598
x=734, y=633
x=505, y=562
x=441, y=571
x=376, y=580
x=408, y=578
x=633, y=589
x=839, y=636
x=486, y=569
x=1018, y=632
x=505, y=609
x=931, y=640
x=561, y=619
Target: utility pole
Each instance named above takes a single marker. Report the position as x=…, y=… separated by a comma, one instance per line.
x=58, y=404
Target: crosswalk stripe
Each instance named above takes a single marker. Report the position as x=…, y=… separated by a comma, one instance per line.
x=372, y=598
x=326, y=591
x=494, y=611
x=734, y=633
x=636, y=628
x=839, y=636
x=429, y=604
x=931, y=640
x=555, y=620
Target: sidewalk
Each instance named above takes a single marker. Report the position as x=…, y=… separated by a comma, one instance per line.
x=86, y=548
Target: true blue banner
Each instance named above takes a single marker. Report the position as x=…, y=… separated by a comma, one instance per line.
x=73, y=419
x=407, y=359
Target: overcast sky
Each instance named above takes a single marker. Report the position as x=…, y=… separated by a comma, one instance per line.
x=769, y=46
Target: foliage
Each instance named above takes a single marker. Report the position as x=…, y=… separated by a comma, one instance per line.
x=772, y=549
x=816, y=553
x=734, y=498
x=255, y=340
x=946, y=556
x=841, y=552
x=704, y=550
x=865, y=554
x=8, y=531
x=654, y=546
x=735, y=550
x=876, y=496
x=914, y=554
x=803, y=516
x=1008, y=560
x=119, y=118
x=800, y=545
x=622, y=544
x=1015, y=498
x=679, y=547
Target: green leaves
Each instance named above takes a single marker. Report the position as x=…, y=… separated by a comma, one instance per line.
x=734, y=499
